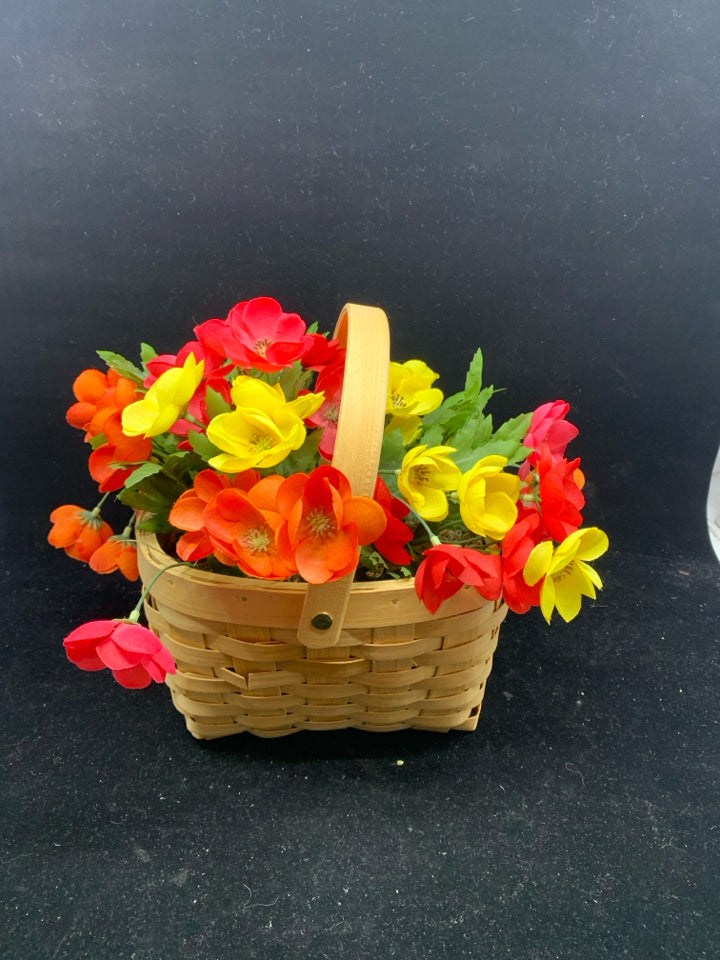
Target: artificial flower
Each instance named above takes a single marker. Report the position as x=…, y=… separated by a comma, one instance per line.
x=98, y=396
x=517, y=545
x=427, y=474
x=565, y=574
x=164, y=401
x=447, y=567
x=196, y=441
x=262, y=336
x=323, y=353
x=133, y=653
x=241, y=527
x=325, y=524
x=391, y=544
x=330, y=384
x=549, y=426
x=215, y=372
x=77, y=531
x=117, y=553
x=488, y=497
x=263, y=429
x=560, y=495
x=410, y=396
x=112, y=462
x=188, y=511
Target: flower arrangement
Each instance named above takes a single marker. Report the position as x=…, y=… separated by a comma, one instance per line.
x=224, y=450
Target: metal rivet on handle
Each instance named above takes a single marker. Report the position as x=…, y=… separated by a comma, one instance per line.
x=322, y=621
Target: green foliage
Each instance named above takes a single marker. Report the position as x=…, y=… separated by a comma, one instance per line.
x=147, y=352
x=122, y=366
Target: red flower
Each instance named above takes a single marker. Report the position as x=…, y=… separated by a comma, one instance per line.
x=447, y=567
x=133, y=653
x=325, y=524
x=392, y=542
x=329, y=382
x=77, y=531
x=116, y=554
x=323, y=353
x=262, y=336
x=561, y=499
x=211, y=336
x=516, y=548
x=107, y=464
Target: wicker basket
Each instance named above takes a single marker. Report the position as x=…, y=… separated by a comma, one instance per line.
x=274, y=658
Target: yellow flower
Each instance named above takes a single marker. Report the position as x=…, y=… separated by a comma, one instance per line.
x=488, y=498
x=410, y=396
x=164, y=402
x=426, y=474
x=568, y=577
x=263, y=428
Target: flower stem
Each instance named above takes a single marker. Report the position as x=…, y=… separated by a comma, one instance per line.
x=96, y=512
x=434, y=539
x=135, y=615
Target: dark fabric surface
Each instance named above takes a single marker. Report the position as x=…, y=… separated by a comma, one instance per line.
x=538, y=179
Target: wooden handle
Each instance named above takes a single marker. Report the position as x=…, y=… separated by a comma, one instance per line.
x=361, y=422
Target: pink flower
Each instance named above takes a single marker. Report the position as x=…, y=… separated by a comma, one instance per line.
x=548, y=425
x=133, y=653
x=263, y=337
x=447, y=567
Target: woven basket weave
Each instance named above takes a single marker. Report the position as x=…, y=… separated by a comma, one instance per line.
x=274, y=658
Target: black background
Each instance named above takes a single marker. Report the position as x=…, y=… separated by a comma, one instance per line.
x=540, y=179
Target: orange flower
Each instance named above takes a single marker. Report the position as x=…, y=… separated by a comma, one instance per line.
x=116, y=554
x=325, y=524
x=188, y=511
x=241, y=528
x=99, y=394
x=77, y=531
x=106, y=463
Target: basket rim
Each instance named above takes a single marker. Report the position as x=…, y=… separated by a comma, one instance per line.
x=150, y=545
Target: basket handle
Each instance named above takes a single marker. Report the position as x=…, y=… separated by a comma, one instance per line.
x=361, y=422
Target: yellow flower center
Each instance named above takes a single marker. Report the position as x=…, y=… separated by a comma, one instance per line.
x=259, y=442
x=257, y=540
x=332, y=413
x=320, y=523
x=564, y=573
x=419, y=474
x=397, y=401
x=261, y=346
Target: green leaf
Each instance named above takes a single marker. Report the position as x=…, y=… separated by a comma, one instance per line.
x=434, y=436
x=216, y=403
x=147, y=352
x=144, y=471
x=304, y=459
x=155, y=524
x=473, y=378
x=506, y=441
x=147, y=501
x=392, y=451
x=202, y=446
x=474, y=433
x=122, y=366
